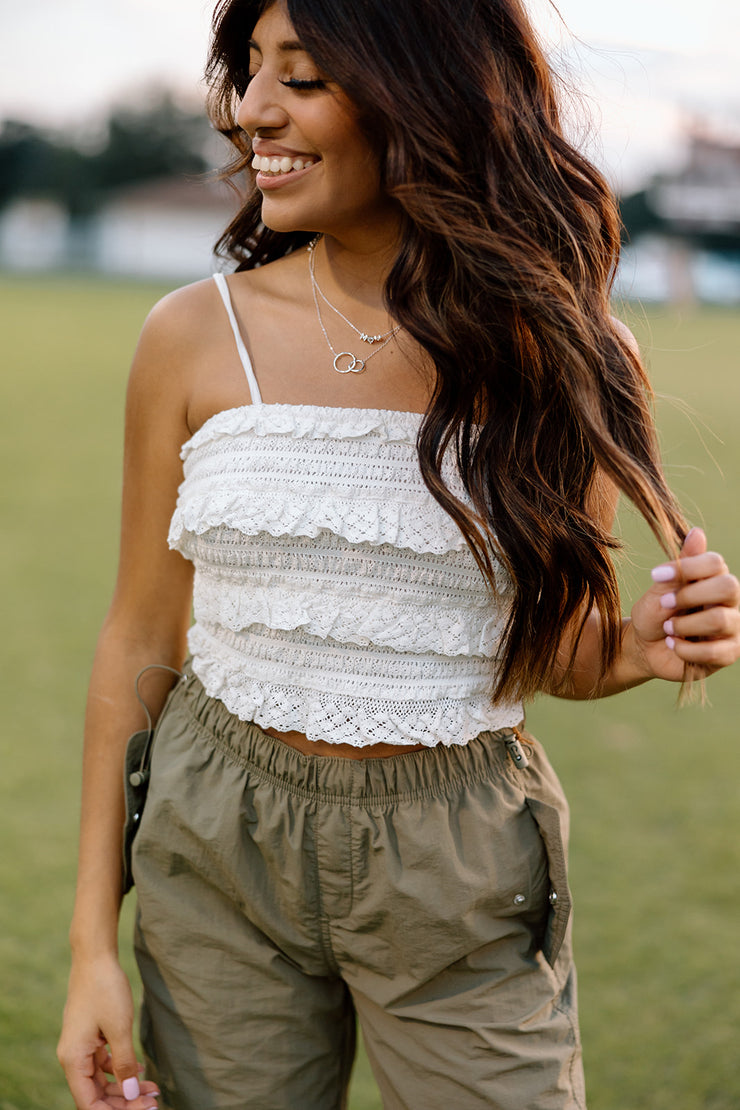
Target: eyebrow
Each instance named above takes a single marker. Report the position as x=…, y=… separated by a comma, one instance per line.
x=287, y=47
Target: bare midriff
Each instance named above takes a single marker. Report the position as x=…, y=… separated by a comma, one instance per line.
x=302, y=744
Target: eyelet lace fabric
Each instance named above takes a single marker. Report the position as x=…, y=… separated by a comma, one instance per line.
x=333, y=595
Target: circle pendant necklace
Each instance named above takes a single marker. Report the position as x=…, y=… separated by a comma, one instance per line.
x=345, y=362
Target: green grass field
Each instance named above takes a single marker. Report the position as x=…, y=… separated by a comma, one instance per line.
x=653, y=789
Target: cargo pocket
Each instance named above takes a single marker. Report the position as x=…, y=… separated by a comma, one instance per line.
x=136, y=771
x=548, y=821
x=135, y=783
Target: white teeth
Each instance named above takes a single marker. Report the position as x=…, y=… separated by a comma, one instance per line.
x=279, y=165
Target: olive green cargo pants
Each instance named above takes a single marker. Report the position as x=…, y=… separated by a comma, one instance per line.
x=282, y=895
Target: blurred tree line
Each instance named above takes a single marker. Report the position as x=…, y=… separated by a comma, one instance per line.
x=157, y=139
x=160, y=138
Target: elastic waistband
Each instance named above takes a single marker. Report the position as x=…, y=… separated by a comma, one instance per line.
x=345, y=781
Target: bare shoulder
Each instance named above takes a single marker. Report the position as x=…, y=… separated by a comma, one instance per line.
x=178, y=335
x=624, y=333
x=180, y=323
x=187, y=359
x=282, y=280
x=603, y=500
x=169, y=356
x=190, y=319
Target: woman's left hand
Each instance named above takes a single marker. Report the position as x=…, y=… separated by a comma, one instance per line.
x=689, y=616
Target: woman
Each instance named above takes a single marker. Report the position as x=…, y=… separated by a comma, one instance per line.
x=407, y=417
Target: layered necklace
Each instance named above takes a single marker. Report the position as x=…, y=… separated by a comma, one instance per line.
x=344, y=361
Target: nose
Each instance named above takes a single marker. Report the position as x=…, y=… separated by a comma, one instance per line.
x=260, y=108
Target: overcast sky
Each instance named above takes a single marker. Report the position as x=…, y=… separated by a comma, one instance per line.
x=647, y=66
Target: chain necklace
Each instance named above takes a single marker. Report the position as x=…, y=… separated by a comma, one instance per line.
x=355, y=365
x=362, y=334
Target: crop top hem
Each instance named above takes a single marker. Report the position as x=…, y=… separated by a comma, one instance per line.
x=356, y=721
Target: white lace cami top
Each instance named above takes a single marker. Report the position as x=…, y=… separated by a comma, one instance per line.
x=333, y=595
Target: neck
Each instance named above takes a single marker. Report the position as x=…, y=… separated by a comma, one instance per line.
x=356, y=272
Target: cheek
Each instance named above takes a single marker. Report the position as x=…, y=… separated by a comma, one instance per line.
x=358, y=165
x=356, y=184
x=347, y=142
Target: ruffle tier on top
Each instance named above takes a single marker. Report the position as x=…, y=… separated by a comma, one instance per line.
x=300, y=470
x=333, y=595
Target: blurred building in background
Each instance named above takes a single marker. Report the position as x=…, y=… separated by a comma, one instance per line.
x=165, y=229
x=141, y=199
x=683, y=229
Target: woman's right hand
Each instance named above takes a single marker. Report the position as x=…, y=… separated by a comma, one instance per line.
x=97, y=1040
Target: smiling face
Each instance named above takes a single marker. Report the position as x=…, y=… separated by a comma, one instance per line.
x=314, y=167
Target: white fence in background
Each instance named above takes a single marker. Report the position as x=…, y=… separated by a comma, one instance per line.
x=156, y=238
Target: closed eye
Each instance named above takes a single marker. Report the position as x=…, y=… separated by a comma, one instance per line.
x=305, y=85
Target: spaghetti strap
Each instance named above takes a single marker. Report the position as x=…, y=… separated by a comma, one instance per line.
x=254, y=389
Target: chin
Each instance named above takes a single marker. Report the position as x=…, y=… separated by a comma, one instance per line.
x=284, y=222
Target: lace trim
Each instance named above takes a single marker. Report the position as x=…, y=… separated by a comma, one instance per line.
x=314, y=663
x=344, y=719
x=332, y=559
x=440, y=626
x=252, y=512
x=306, y=421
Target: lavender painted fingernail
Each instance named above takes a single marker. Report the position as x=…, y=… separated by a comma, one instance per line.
x=670, y=643
x=668, y=627
x=130, y=1088
x=663, y=574
x=668, y=601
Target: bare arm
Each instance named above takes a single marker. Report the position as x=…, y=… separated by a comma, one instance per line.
x=689, y=614
x=583, y=679
x=146, y=623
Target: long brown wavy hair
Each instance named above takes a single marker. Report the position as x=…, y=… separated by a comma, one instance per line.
x=509, y=246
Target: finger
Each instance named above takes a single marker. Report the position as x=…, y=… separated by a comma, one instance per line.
x=106, y=1063
x=104, y=1060
x=83, y=1089
x=105, y=1069
x=695, y=543
x=125, y=1066
x=690, y=569
x=722, y=589
x=145, y=1100
x=708, y=654
x=83, y=1078
x=717, y=623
